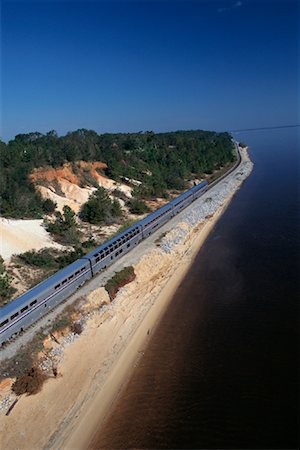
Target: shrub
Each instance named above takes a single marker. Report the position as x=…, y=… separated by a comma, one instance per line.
x=76, y=328
x=5, y=286
x=137, y=206
x=2, y=266
x=29, y=383
x=120, y=194
x=68, y=257
x=88, y=179
x=89, y=244
x=121, y=278
x=50, y=259
x=64, y=228
x=116, y=210
x=42, y=258
x=71, y=236
x=49, y=206
x=100, y=208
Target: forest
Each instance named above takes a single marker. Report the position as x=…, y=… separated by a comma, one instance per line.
x=160, y=161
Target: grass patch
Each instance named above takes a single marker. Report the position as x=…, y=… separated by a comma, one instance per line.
x=63, y=321
x=121, y=278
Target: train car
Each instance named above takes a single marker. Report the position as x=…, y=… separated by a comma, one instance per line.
x=199, y=189
x=163, y=214
x=156, y=219
x=103, y=256
x=183, y=200
x=30, y=306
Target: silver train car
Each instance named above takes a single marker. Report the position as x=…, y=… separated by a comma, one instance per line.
x=31, y=306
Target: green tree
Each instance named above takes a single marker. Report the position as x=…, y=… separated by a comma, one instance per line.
x=69, y=217
x=5, y=282
x=64, y=228
x=100, y=208
x=49, y=206
x=116, y=210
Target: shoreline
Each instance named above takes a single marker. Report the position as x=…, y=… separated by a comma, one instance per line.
x=97, y=366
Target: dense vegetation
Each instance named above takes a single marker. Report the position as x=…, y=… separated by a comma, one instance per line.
x=160, y=161
x=100, y=208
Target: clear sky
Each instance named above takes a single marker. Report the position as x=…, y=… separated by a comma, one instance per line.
x=148, y=65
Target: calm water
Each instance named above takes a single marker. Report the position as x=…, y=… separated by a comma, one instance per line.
x=221, y=369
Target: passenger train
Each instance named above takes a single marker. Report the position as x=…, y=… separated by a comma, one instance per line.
x=31, y=306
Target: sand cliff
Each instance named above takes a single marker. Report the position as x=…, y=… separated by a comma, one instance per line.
x=72, y=184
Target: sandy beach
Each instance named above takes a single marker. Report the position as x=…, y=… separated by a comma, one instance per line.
x=97, y=365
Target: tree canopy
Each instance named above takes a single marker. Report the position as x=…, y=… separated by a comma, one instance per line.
x=159, y=161
x=100, y=208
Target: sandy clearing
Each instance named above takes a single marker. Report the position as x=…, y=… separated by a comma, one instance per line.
x=18, y=236
x=96, y=366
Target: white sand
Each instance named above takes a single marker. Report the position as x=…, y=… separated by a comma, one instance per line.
x=18, y=236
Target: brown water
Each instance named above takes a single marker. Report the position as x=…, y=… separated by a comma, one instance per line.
x=220, y=371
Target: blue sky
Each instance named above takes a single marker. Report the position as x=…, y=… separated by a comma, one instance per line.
x=148, y=65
